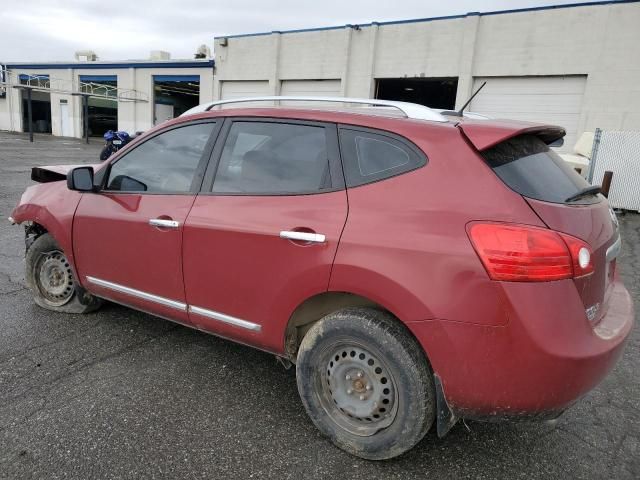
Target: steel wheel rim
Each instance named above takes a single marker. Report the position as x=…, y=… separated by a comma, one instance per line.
x=358, y=391
x=54, y=278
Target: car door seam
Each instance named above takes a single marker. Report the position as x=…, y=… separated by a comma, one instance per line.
x=346, y=196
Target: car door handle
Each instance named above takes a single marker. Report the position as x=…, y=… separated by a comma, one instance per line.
x=303, y=236
x=163, y=223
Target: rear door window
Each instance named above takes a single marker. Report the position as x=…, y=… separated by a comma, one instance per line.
x=269, y=158
x=369, y=156
x=528, y=166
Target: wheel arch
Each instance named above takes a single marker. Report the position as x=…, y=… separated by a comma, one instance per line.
x=51, y=206
x=38, y=220
x=316, y=307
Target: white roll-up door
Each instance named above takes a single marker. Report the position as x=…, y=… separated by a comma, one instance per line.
x=243, y=89
x=313, y=88
x=556, y=100
x=310, y=88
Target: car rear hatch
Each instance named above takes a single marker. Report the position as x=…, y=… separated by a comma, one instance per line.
x=518, y=153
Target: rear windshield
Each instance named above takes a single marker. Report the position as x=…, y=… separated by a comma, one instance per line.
x=528, y=166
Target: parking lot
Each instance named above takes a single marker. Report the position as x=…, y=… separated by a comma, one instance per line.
x=122, y=394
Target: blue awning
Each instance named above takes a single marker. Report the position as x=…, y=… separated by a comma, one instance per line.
x=32, y=76
x=164, y=101
x=176, y=78
x=98, y=78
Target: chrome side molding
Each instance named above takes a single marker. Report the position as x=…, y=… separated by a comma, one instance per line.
x=183, y=307
x=138, y=293
x=221, y=317
x=303, y=236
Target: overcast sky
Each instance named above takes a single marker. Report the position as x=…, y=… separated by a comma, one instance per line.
x=46, y=30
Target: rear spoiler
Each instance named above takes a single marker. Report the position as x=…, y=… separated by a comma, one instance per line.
x=486, y=134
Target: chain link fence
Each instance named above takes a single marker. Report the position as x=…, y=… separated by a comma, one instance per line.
x=618, y=152
x=3, y=80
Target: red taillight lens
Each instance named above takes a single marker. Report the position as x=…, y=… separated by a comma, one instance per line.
x=519, y=253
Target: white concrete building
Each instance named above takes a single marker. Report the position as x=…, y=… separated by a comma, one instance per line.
x=131, y=95
x=575, y=65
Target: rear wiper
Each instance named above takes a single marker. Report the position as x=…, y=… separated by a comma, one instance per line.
x=590, y=190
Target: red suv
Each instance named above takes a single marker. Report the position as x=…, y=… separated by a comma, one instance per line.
x=416, y=269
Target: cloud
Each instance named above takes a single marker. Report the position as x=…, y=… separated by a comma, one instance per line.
x=48, y=30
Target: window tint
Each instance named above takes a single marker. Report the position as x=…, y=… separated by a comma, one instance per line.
x=273, y=158
x=368, y=157
x=164, y=163
x=528, y=166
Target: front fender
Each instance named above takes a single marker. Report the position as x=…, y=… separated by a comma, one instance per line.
x=51, y=205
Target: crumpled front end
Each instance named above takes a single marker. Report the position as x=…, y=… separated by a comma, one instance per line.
x=48, y=207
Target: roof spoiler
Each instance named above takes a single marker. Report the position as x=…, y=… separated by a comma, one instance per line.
x=486, y=134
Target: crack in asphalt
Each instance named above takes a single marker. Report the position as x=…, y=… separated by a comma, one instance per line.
x=56, y=341
x=90, y=364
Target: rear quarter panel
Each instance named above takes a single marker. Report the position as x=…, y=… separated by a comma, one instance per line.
x=405, y=245
x=593, y=224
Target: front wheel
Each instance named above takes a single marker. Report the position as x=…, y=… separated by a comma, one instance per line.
x=365, y=383
x=106, y=152
x=50, y=277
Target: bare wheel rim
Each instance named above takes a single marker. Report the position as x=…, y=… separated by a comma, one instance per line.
x=54, y=278
x=358, y=390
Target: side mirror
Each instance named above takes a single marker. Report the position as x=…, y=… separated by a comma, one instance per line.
x=80, y=179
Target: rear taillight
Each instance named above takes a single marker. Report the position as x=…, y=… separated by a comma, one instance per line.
x=520, y=253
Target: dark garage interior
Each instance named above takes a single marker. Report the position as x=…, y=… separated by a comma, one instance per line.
x=174, y=95
x=103, y=112
x=432, y=92
x=40, y=104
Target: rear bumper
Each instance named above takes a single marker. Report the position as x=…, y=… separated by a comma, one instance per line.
x=542, y=361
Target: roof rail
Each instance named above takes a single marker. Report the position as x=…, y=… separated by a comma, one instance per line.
x=465, y=114
x=410, y=110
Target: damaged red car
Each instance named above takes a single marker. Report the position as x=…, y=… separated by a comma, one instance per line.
x=417, y=267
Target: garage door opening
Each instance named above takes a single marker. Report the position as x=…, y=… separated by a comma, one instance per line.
x=174, y=95
x=40, y=104
x=103, y=111
x=432, y=92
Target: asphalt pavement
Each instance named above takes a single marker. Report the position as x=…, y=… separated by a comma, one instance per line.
x=122, y=394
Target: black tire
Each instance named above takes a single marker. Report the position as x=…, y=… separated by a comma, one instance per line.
x=105, y=153
x=51, y=279
x=394, y=382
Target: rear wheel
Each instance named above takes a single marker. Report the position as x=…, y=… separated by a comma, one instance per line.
x=365, y=383
x=50, y=277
